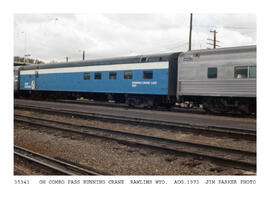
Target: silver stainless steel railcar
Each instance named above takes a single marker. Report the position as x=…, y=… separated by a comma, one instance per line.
x=221, y=79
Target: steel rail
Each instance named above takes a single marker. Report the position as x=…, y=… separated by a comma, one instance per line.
x=220, y=131
x=174, y=108
x=162, y=109
x=240, y=157
x=56, y=165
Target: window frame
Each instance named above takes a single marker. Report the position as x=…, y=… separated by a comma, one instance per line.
x=241, y=68
x=211, y=68
x=86, y=76
x=255, y=71
x=127, y=75
x=112, y=78
x=148, y=71
x=97, y=73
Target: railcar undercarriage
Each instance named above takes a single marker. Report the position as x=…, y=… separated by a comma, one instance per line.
x=222, y=104
x=132, y=100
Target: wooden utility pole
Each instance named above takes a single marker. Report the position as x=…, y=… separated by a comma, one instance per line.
x=190, y=32
x=214, y=40
x=83, y=55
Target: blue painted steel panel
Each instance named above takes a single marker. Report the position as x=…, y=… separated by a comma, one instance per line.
x=75, y=82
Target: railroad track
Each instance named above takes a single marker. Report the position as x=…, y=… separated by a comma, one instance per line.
x=163, y=109
x=199, y=129
x=123, y=105
x=238, y=158
x=55, y=165
x=174, y=108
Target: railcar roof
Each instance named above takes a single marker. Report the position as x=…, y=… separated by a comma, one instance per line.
x=106, y=61
x=223, y=50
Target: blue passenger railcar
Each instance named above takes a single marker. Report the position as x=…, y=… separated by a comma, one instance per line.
x=139, y=80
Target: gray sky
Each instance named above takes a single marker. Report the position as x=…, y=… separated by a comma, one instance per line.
x=55, y=36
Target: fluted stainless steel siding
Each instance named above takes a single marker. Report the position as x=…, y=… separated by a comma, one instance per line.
x=193, y=67
x=235, y=88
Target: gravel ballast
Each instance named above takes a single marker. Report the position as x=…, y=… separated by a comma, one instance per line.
x=118, y=159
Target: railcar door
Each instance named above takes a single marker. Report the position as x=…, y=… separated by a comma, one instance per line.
x=35, y=85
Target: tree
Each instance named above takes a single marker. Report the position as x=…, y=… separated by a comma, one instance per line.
x=28, y=60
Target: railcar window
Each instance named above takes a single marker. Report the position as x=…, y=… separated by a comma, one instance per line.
x=86, y=76
x=252, y=72
x=97, y=76
x=127, y=75
x=112, y=75
x=241, y=72
x=147, y=74
x=212, y=72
